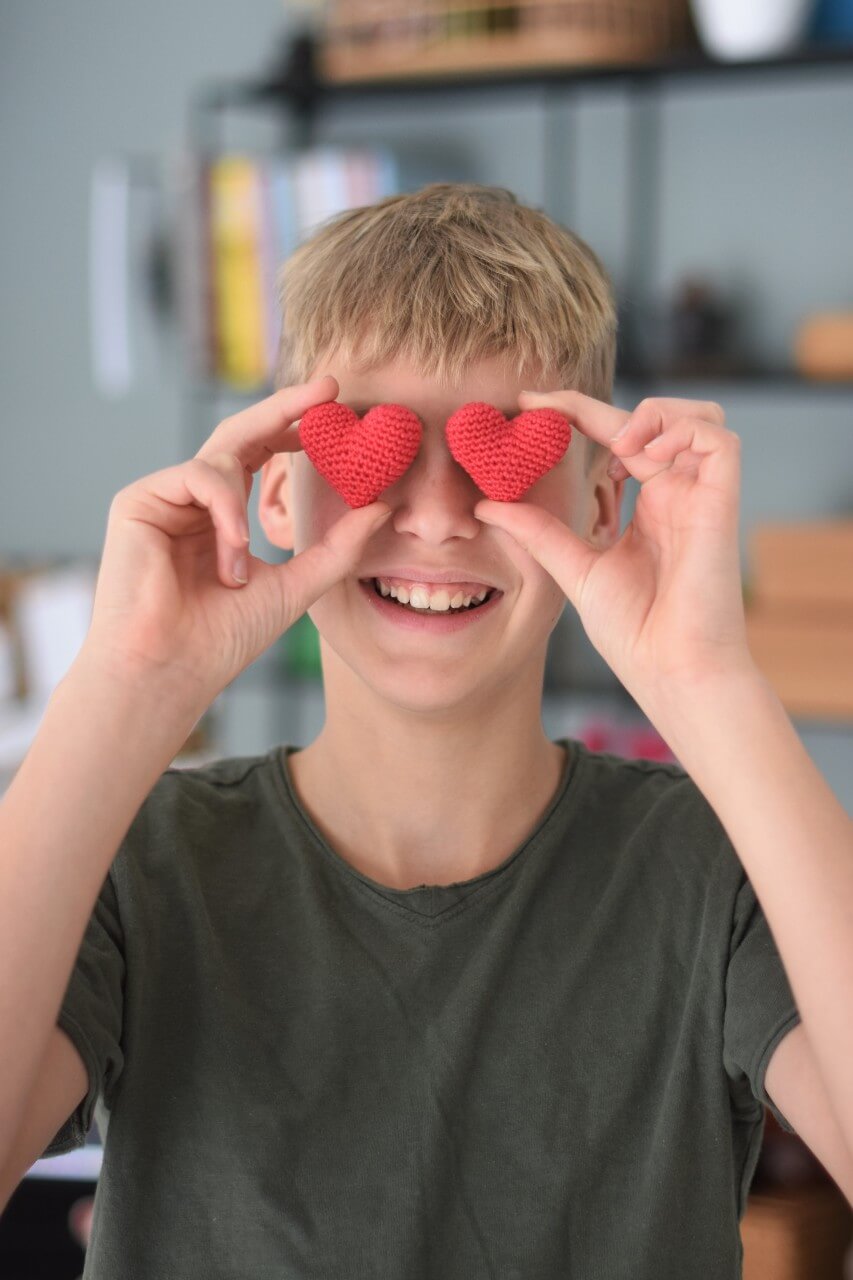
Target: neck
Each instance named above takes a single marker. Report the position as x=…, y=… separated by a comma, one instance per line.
x=410, y=798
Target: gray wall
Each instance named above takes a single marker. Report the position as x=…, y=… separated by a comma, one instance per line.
x=756, y=186
x=79, y=83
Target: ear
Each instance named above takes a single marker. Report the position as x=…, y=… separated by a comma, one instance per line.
x=275, y=501
x=607, y=505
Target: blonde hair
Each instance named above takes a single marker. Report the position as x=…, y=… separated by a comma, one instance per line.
x=446, y=276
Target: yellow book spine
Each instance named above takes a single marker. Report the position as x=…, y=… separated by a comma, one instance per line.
x=237, y=282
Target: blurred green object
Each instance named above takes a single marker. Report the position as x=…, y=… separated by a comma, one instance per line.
x=301, y=651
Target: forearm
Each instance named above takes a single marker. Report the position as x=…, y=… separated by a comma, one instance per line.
x=101, y=745
x=795, y=841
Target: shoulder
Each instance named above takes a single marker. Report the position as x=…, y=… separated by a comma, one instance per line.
x=194, y=811
x=647, y=791
x=656, y=814
x=211, y=785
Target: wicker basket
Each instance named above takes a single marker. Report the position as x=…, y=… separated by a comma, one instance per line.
x=381, y=39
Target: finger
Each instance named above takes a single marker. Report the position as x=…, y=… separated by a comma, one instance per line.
x=602, y=422
x=717, y=449
x=265, y=428
x=185, y=499
x=593, y=417
x=617, y=470
x=686, y=439
x=561, y=552
x=291, y=588
x=654, y=415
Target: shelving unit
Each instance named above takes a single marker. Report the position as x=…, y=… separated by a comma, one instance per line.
x=295, y=90
x=298, y=97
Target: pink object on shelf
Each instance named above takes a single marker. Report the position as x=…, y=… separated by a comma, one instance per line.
x=633, y=742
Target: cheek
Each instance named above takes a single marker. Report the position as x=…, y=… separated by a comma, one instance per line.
x=556, y=490
x=553, y=493
x=317, y=506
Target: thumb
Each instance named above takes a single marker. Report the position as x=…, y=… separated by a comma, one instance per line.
x=552, y=544
x=310, y=573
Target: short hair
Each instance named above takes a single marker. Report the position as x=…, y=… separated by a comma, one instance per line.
x=445, y=276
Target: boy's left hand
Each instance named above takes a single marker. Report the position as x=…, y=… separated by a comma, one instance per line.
x=664, y=604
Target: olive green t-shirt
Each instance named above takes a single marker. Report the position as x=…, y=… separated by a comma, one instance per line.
x=554, y=1069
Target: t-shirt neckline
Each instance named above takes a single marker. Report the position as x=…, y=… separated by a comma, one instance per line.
x=428, y=900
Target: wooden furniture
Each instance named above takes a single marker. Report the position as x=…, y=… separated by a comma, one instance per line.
x=799, y=614
x=370, y=39
x=800, y=1233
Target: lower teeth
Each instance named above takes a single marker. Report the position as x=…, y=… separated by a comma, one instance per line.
x=461, y=608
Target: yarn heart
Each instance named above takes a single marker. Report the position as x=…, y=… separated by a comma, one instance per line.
x=504, y=457
x=360, y=456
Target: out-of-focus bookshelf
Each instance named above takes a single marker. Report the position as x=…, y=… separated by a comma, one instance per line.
x=236, y=200
x=800, y=643
x=798, y=597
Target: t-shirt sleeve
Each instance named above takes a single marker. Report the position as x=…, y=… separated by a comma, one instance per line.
x=91, y=1014
x=760, y=1008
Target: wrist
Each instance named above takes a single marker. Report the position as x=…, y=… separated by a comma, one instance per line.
x=692, y=714
x=163, y=703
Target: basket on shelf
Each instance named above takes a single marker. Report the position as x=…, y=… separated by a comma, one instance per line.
x=375, y=39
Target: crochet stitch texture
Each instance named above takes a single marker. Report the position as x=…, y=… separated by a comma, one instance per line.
x=361, y=457
x=505, y=456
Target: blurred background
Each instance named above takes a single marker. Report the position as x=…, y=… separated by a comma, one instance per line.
x=160, y=161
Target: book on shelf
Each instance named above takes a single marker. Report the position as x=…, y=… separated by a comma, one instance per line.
x=256, y=212
x=194, y=295
x=235, y=222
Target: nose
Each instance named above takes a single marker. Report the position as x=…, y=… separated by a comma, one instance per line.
x=435, y=498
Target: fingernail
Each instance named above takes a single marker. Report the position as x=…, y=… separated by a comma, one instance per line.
x=240, y=569
x=621, y=431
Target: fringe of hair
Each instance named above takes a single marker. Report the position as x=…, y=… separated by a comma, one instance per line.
x=446, y=276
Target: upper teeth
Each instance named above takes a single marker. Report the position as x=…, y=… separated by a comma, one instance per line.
x=426, y=596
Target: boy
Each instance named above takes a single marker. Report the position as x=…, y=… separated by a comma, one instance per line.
x=433, y=996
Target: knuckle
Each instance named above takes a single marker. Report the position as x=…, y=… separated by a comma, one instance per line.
x=116, y=505
x=650, y=407
x=200, y=467
x=129, y=493
x=227, y=463
x=207, y=470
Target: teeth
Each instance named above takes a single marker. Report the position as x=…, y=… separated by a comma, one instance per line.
x=422, y=597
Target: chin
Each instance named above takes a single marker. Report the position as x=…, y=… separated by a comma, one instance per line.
x=421, y=681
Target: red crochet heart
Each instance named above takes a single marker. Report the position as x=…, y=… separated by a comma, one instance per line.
x=504, y=457
x=360, y=457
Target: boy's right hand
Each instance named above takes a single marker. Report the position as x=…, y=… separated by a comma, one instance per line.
x=166, y=604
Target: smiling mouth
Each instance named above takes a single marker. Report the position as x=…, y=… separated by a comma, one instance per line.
x=440, y=601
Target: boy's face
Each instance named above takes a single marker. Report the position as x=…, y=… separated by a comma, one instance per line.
x=433, y=527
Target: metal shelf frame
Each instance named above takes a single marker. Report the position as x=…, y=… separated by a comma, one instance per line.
x=295, y=90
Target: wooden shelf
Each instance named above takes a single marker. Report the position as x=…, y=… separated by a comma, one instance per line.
x=300, y=77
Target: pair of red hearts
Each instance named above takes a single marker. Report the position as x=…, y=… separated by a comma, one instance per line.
x=360, y=457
